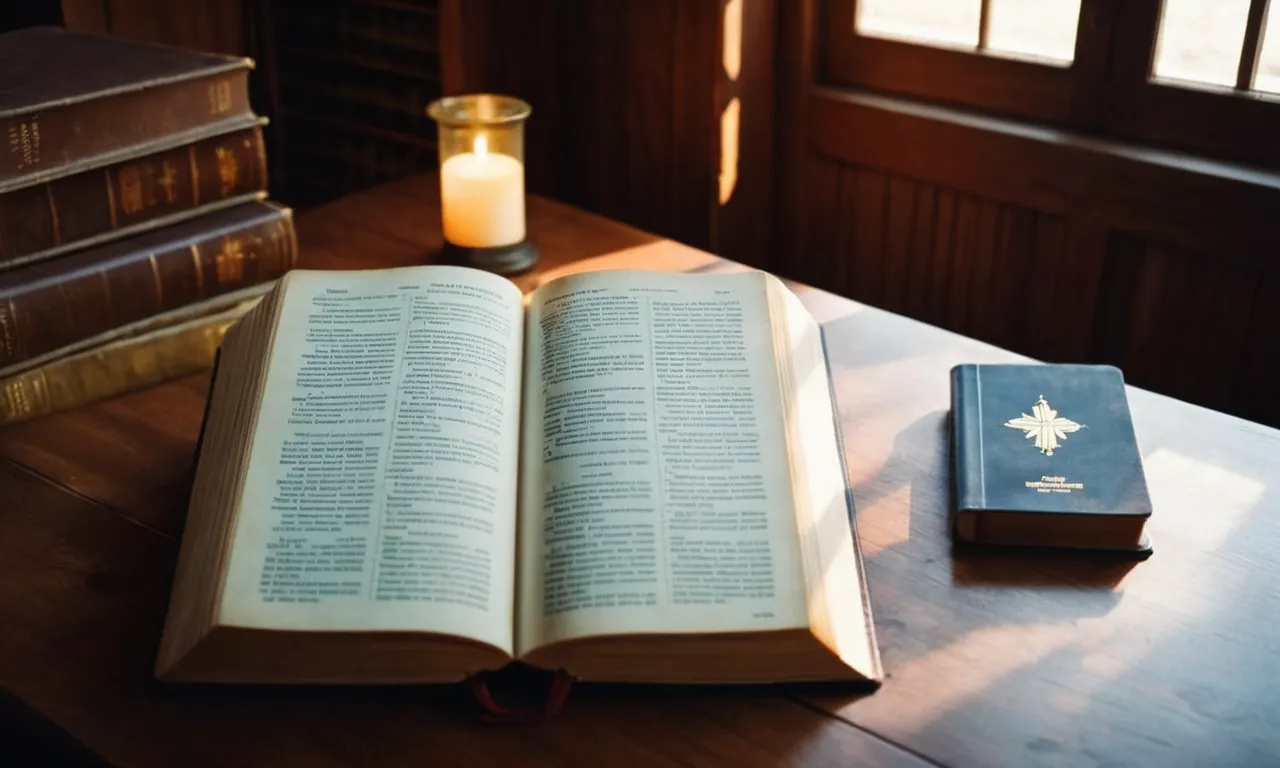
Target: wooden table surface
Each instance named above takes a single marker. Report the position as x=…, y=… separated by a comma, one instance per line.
x=992, y=660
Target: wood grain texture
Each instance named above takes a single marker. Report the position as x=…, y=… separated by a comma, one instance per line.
x=85, y=15
x=992, y=659
x=1165, y=308
x=1209, y=208
x=798, y=66
x=990, y=270
x=210, y=25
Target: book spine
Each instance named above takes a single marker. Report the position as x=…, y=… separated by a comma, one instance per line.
x=966, y=430
x=114, y=370
x=40, y=142
x=63, y=309
x=46, y=218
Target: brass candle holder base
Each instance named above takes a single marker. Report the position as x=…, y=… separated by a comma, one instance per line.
x=503, y=260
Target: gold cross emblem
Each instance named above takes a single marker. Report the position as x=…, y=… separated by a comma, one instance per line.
x=1046, y=426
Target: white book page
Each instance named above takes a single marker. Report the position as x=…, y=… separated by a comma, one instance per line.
x=381, y=492
x=655, y=492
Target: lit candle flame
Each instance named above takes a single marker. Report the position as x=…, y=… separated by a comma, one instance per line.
x=481, y=146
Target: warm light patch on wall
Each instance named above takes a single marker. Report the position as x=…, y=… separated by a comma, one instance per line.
x=731, y=117
x=732, y=39
x=729, y=126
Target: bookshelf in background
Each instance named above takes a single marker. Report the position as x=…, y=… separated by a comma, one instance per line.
x=346, y=89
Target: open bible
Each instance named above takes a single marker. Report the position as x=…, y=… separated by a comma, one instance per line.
x=418, y=474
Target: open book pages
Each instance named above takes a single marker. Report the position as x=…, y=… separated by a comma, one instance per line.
x=413, y=475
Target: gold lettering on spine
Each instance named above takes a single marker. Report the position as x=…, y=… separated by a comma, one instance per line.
x=155, y=273
x=219, y=93
x=230, y=261
x=24, y=142
x=195, y=263
x=195, y=175
x=53, y=214
x=131, y=201
x=111, y=198
x=228, y=170
x=25, y=397
x=17, y=403
x=166, y=181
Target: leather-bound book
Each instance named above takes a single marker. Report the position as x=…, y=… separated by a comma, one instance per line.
x=184, y=341
x=71, y=100
x=60, y=306
x=133, y=195
x=1046, y=456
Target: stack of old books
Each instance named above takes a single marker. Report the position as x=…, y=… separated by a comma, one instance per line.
x=134, y=220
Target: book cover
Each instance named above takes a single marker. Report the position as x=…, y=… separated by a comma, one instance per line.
x=58, y=306
x=164, y=185
x=73, y=100
x=1046, y=454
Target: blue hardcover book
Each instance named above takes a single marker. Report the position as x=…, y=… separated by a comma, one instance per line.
x=1046, y=455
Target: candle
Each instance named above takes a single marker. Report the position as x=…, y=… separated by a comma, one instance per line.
x=482, y=198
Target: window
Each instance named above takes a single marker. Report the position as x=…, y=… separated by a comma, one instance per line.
x=1199, y=42
x=1042, y=30
x=1195, y=75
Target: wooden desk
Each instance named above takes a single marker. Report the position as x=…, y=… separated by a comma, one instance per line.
x=992, y=661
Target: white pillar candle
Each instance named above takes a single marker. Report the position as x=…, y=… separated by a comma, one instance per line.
x=482, y=198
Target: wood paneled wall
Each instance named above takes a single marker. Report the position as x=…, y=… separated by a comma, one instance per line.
x=211, y=25
x=628, y=98
x=1180, y=322
x=658, y=113
x=983, y=268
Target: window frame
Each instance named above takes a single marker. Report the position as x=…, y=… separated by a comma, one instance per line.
x=1233, y=124
x=1108, y=89
x=1064, y=95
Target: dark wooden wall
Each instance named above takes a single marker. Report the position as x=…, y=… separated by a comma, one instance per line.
x=211, y=25
x=1063, y=247
x=346, y=86
x=628, y=98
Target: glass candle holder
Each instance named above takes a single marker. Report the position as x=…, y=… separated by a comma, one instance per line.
x=482, y=199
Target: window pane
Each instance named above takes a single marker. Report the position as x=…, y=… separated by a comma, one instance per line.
x=950, y=22
x=1268, y=77
x=1200, y=40
x=1041, y=28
